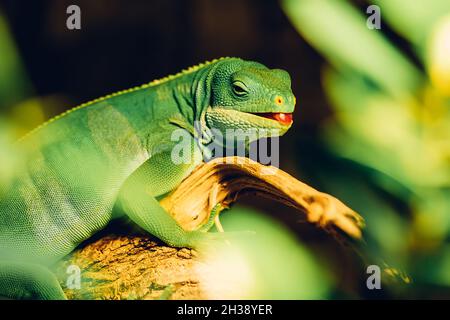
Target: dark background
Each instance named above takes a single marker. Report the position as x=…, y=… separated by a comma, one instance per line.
x=127, y=43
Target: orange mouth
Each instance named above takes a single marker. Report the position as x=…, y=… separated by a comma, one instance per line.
x=283, y=118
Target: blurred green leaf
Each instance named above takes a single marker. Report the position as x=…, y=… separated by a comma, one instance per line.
x=374, y=125
x=414, y=20
x=391, y=120
x=340, y=33
x=281, y=266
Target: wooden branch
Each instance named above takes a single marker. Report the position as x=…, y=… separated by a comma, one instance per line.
x=224, y=180
x=135, y=267
x=132, y=267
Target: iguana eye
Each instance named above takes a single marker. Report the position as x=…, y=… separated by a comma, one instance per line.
x=239, y=88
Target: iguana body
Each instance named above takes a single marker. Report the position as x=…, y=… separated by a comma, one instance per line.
x=116, y=151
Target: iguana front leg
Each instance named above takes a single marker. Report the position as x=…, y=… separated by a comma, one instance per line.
x=137, y=199
x=147, y=213
x=213, y=219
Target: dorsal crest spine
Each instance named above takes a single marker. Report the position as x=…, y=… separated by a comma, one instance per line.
x=118, y=93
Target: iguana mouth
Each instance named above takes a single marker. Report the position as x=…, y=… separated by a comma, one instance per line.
x=283, y=118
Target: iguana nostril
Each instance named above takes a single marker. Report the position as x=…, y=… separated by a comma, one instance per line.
x=278, y=100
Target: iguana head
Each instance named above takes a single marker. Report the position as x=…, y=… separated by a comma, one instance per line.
x=248, y=95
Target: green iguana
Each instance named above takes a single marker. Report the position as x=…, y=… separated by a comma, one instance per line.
x=115, y=151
